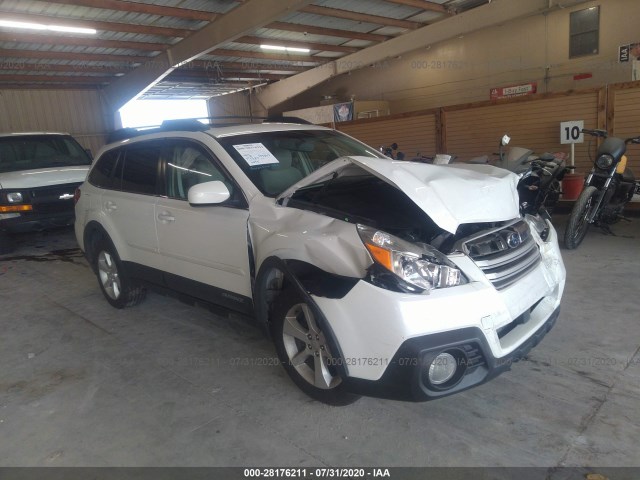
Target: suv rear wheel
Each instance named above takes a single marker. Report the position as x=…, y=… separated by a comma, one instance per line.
x=304, y=352
x=119, y=290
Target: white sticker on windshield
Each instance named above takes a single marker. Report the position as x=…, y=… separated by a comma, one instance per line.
x=256, y=154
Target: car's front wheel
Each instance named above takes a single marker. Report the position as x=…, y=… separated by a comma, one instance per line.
x=119, y=290
x=303, y=349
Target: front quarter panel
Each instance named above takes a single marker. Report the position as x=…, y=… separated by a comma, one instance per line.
x=292, y=234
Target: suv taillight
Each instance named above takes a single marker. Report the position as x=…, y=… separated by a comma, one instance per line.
x=76, y=195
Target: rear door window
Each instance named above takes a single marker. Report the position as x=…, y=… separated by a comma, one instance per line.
x=103, y=174
x=141, y=166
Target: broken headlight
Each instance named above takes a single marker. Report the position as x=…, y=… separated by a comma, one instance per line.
x=540, y=225
x=419, y=265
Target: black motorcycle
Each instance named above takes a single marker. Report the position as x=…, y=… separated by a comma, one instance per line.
x=607, y=189
x=539, y=186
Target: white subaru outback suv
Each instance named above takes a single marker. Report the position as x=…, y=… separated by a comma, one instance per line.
x=391, y=279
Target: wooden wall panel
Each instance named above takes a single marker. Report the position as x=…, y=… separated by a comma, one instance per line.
x=626, y=121
x=81, y=113
x=414, y=134
x=534, y=124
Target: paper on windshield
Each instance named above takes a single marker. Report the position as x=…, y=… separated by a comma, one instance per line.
x=256, y=154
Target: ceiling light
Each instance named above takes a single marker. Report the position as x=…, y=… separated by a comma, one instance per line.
x=50, y=28
x=285, y=49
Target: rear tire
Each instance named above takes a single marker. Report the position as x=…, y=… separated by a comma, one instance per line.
x=577, y=226
x=117, y=287
x=304, y=351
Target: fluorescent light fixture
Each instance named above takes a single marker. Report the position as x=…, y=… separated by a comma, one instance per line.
x=42, y=27
x=284, y=49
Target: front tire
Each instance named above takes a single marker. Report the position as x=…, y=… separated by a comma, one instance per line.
x=578, y=225
x=304, y=352
x=117, y=287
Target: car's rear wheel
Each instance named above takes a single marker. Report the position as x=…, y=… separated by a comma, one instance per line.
x=303, y=349
x=117, y=287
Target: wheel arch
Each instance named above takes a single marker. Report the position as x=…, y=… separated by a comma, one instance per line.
x=276, y=274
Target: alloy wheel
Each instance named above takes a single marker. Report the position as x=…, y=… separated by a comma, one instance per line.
x=307, y=348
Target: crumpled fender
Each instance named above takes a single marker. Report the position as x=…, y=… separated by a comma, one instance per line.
x=291, y=234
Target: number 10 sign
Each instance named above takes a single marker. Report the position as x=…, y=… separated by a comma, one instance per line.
x=571, y=132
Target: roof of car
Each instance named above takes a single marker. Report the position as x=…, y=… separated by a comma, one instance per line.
x=215, y=130
x=18, y=134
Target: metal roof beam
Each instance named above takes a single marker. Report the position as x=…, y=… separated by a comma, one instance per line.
x=71, y=56
x=100, y=25
x=322, y=47
x=422, y=5
x=331, y=32
x=361, y=17
x=240, y=21
x=485, y=16
x=146, y=8
x=81, y=41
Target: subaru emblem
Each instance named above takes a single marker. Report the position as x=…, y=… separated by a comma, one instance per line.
x=514, y=240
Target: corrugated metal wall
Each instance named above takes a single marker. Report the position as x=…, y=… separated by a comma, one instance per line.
x=82, y=113
x=414, y=134
x=625, y=120
x=534, y=124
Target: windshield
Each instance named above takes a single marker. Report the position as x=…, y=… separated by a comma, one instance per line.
x=28, y=152
x=274, y=161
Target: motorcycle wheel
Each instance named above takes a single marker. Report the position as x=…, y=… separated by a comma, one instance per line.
x=578, y=225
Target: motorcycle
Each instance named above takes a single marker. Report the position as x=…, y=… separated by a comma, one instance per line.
x=392, y=152
x=539, y=186
x=607, y=189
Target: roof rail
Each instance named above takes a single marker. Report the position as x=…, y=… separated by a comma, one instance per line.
x=283, y=119
x=197, y=125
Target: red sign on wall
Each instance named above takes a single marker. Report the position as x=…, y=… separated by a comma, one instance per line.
x=514, y=91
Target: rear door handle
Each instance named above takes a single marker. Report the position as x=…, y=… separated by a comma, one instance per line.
x=166, y=217
x=109, y=206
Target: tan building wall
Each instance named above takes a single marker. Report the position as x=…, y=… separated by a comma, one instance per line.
x=465, y=69
x=82, y=113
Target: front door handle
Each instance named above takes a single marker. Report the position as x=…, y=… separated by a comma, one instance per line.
x=166, y=217
x=109, y=206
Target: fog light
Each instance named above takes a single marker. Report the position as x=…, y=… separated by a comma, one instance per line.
x=442, y=368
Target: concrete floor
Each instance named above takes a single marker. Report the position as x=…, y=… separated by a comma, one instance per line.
x=167, y=384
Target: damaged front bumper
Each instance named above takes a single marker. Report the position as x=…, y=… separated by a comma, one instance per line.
x=388, y=340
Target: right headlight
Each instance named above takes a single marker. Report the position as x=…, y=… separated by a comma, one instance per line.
x=419, y=265
x=540, y=225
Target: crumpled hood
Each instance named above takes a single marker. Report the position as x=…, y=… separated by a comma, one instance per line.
x=43, y=177
x=450, y=194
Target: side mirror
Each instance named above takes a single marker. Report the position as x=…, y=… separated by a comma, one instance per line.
x=505, y=140
x=208, y=193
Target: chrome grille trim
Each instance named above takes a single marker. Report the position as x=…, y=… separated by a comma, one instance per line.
x=502, y=263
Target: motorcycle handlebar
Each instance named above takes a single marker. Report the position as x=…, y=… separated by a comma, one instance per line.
x=595, y=132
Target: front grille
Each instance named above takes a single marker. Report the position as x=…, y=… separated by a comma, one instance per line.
x=504, y=255
x=53, y=199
